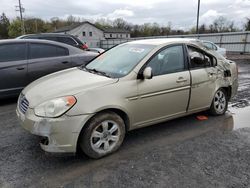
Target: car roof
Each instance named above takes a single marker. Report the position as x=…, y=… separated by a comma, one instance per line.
x=161, y=41
x=47, y=34
x=72, y=49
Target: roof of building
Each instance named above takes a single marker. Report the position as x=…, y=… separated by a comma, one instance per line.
x=105, y=30
x=68, y=28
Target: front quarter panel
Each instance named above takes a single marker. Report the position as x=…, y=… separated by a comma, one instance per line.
x=121, y=95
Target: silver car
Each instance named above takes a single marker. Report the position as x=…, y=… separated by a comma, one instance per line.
x=133, y=85
x=212, y=46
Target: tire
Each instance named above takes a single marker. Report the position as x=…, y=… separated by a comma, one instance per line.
x=220, y=103
x=103, y=135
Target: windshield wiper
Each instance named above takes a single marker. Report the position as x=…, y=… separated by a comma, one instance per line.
x=96, y=72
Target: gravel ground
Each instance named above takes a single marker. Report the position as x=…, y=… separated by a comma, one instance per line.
x=179, y=153
x=243, y=97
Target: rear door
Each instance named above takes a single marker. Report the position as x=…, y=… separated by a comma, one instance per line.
x=13, y=68
x=45, y=59
x=204, y=74
x=167, y=93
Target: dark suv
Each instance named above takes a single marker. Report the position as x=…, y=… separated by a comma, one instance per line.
x=64, y=38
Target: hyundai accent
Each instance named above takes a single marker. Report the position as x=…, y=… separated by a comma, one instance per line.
x=132, y=85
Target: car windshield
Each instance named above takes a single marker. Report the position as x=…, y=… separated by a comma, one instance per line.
x=120, y=60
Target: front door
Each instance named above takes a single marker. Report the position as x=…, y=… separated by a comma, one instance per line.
x=167, y=93
x=13, y=68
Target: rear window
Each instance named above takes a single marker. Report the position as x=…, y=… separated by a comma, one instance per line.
x=46, y=50
x=12, y=52
x=77, y=40
x=67, y=40
x=48, y=38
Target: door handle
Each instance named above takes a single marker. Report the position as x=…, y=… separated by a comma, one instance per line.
x=181, y=79
x=65, y=62
x=20, y=68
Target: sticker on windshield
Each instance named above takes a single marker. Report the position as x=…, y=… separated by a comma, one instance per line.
x=136, y=50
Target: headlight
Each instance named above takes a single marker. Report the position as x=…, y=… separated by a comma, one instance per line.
x=55, y=107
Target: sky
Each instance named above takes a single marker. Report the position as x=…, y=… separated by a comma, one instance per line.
x=181, y=13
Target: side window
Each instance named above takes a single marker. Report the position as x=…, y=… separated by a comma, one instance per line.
x=67, y=40
x=199, y=59
x=49, y=38
x=62, y=51
x=45, y=50
x=12, y=52
x=168, y=60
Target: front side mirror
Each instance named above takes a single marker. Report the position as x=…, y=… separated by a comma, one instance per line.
x=147, y=73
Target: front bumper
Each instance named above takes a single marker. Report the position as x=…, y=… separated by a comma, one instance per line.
x=61, y=134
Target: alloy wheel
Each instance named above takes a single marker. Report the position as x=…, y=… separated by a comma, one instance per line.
x=219, y=101
x=105, y=136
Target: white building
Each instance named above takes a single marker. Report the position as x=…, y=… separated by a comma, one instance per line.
x=92, y=35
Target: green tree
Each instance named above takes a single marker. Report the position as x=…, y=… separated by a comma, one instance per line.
x=247, y=25
x=202, y=29
x=4, y=25
x=121, y=24
x=103, y=23
x=15, y=28
x=221, y=24
x=35, y=25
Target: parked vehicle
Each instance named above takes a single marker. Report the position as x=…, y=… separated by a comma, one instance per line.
x=212, y=46
x=98, y=50
x=63, y=38
x=23, y=61
x=132, y=85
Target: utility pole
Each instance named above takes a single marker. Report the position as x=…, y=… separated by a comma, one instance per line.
x=36, y=25
x=21, y=10
x=198, y=15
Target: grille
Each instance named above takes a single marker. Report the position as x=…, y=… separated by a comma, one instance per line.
x=23, y=103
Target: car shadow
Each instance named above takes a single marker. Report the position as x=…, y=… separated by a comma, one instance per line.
x=8, y=101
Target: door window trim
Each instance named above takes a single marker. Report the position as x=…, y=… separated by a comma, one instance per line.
x=29, y=50
x=13, y=43
x=201, y=51
x=139, y=76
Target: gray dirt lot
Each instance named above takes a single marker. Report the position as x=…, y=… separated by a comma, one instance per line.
x=179, y=153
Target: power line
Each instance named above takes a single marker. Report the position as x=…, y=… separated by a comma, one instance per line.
x=21, y=10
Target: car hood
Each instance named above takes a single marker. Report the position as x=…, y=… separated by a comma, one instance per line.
x=63, y=83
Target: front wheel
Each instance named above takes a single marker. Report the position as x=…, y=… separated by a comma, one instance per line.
x=219, y=103
x=103, y=135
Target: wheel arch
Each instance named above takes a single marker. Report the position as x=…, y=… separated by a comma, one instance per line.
x=118, y=111
x=228, y=91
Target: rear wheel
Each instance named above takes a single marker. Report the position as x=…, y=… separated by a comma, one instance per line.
x=219, y=103
x=103, y=135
